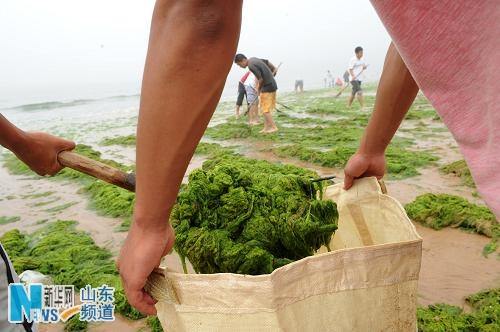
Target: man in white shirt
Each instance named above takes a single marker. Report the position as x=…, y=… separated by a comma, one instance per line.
x=356, y=68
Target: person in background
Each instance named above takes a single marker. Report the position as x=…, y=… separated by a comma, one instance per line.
x=346, y=78
x=252, y=99
x=299, y=85
x=329, y=78
x=417, y=59
x=266, y=87
x=242, y=94
x=39, y=152
x=339, y=82
x=356, y=68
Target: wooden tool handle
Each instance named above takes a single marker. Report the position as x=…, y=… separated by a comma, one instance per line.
x=97, y=169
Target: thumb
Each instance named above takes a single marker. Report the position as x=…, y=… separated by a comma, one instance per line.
x=348, y=181
x=64, y=145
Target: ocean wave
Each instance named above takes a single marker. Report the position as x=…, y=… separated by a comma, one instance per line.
x=59, y=104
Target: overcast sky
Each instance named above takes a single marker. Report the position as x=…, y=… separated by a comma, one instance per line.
x=61, y=50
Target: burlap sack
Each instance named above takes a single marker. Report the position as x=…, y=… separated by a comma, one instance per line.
x=368, y=282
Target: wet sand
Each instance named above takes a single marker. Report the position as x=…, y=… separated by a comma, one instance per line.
x=452, y=264
x=453, y=267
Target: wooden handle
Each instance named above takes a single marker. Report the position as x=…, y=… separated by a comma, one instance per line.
x=382, y=185
x=97, y=169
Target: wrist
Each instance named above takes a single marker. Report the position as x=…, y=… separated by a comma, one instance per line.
x=148, y=226
x=371, y=149
x=18, y=142
x=157, y=221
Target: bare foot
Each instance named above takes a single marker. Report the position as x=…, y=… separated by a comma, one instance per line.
x=256, y=123
x=263, y=131
x=269, y=131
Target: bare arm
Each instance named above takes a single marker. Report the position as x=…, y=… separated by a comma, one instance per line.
x=351, y=71
x=11, y=137
x=273, y=68
x=260, y=82
x=37, y=150
x=396, y=92
x=191, y=42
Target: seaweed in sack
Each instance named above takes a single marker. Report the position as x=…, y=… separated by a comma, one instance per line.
x=247, y=216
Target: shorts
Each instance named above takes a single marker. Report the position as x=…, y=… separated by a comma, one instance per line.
x=299, y=84
x=346, y=77
x=7, y=276
x=241, y=94
x=356, y=87
x=267, y=102
x=252, y=96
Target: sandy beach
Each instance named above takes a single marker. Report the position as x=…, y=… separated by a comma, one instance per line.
x=452, y=264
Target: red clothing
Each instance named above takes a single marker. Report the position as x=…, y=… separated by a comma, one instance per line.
x=444, y=43
x=244, y=77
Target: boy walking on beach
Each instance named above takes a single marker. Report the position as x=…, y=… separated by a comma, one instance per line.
x=266, y=88
x=356, y=68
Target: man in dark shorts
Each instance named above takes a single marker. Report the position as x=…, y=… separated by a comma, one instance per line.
x=266, y=87
x=356, y=68
x=299, y=85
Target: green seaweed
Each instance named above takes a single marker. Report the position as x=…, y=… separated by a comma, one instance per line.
x=8, y=220
x=248, y=216
x=418, y=113
x=441, y=318
x=69, y=256
x=15, y=166
x=105, y=198
x=459, y=168
x=43, y=203
x=401, y=162
x=202, y=148
x=442, y=210
x=485, y=315
x=128, y=140
x=212, y=149
x=38, y=195
x=74, y=324
x=111, y=201
x=326, y=142
x=59, y=208
x=14, y=242
x=154, y=324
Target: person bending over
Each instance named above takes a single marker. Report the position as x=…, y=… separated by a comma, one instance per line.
x=266, y=87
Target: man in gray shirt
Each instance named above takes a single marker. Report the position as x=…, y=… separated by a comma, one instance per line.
x=264, y=71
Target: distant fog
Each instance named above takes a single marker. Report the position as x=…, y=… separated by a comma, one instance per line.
x=64, y=50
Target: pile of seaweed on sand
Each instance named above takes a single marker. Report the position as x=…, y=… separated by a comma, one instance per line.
x=70, y=257
x=459, y=168
x=442, y=210
x=247, y=216
x=484, y=317
x=107, y=199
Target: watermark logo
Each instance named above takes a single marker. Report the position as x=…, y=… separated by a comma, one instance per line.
x=53, y=303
